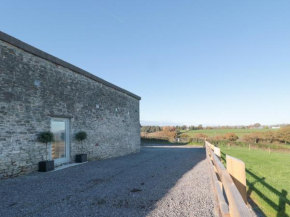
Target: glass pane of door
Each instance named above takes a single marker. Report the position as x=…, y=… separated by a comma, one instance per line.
x=58, y=128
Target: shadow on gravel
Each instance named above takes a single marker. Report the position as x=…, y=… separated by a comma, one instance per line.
x=124, y=186
x=163, y=177
x=160, y=143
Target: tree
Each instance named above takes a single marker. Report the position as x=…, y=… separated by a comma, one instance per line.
x=253, y=137
x=46, y=137
x=192, y=128
x=200, y=136
x=256, y=125
x=150, y=129
x=231, y=137
x=184, y=127
x=220, y=137
x=81, y=136
x=169, y=128
x=184, y=135
x=269, y=136
x=199, y=127
x=283, y=135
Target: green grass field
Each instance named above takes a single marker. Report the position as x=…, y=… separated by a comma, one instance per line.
x=211, y=133
x=268, y=179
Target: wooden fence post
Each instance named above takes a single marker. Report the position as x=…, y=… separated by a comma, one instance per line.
x=217, y=151
x=237, y=170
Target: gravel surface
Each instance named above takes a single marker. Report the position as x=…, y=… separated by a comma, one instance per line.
x=158, y=181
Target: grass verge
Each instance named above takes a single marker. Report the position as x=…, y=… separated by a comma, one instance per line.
x=268, y=178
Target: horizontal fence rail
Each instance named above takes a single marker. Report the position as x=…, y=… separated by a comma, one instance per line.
x=229, y=184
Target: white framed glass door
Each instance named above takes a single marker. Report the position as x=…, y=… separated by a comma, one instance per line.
x=60, y=146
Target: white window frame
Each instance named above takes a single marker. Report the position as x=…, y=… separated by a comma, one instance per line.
x=67, y=141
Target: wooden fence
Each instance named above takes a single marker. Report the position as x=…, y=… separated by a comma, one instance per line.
x=229, y=184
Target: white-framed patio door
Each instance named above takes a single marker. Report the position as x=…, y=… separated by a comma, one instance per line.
x=60, y=147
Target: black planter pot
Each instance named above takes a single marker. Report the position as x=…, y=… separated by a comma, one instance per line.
x=81, y=158
x=46, y=166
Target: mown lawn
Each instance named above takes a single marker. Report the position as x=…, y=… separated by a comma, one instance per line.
x=239, y=132
x=268, y=179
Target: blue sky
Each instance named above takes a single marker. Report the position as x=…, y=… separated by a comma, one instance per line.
x=192, y=62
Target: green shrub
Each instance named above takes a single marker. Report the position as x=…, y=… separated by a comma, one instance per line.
x=81, y=136
x=45, y=137
x=231, y=137
x=184, y=136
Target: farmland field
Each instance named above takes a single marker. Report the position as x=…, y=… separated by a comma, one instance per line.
x=268, y=178
x=214, y=132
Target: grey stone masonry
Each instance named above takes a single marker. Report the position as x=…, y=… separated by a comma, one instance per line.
x=35, y=87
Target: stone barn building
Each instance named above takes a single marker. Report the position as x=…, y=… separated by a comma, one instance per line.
x=39, y=92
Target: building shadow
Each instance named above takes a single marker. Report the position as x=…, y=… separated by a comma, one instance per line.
x=161, y=143
x=188, y=158
x=131, y=185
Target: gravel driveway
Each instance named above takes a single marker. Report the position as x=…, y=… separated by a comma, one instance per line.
x=158, y=181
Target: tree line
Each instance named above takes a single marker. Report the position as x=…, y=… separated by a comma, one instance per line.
x=278, y=136
x=172, y=132
x=272, y=136
x=153, y=129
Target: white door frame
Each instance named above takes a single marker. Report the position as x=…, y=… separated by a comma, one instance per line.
x=67, y=141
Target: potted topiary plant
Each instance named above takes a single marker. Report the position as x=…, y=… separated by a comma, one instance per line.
x=47, y=165
x=80, y=137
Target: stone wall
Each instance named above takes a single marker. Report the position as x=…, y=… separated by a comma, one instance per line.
x=32, y=90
